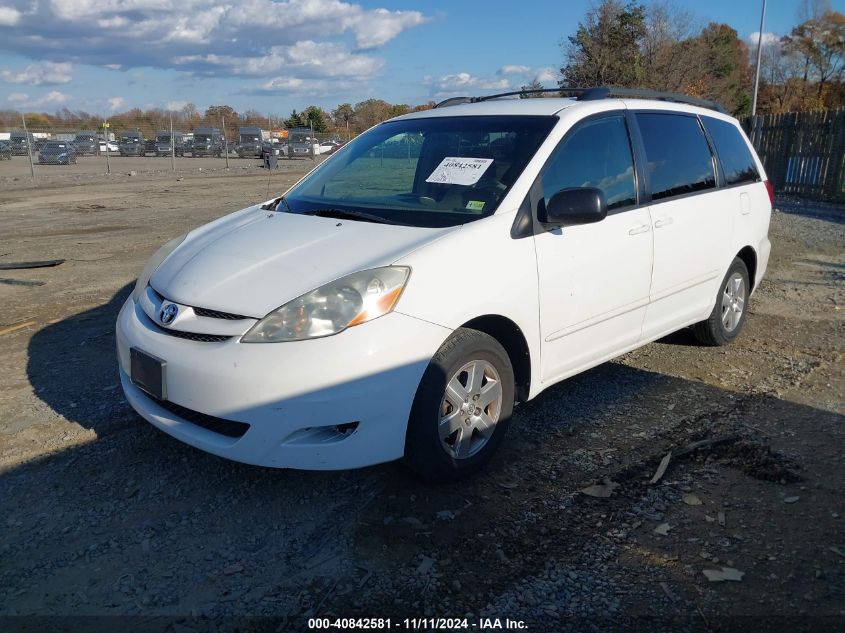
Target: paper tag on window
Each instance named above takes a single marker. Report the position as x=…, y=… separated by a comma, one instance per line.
x=459, y=171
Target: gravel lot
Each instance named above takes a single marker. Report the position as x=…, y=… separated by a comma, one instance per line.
x=102, y=515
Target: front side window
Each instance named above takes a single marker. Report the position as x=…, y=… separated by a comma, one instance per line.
x=678, y=156
x=733, y=152
x=436, y=171
x=596, y=154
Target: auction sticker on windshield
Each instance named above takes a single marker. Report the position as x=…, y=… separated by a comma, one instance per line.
x=459, y=171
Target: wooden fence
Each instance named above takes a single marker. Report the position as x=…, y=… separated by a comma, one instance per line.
x=803, y=152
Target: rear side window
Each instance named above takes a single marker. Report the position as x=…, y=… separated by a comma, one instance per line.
x=678, y=156
x=596, y=154
x=736, y=159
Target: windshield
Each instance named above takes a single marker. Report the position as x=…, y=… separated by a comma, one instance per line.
x=163, y=139
x=85, y=137
x=249, y=138
x=130, y=139
x=439, y=171
x=201, y=138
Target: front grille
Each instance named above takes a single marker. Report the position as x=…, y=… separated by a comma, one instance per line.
x=217, y=314
x=194, y=336
x=229, y=428
x=206, y=312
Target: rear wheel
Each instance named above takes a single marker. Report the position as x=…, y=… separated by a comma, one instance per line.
x=462, y=408
x=728, y=316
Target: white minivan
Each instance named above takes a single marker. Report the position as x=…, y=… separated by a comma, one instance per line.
x=445, y=264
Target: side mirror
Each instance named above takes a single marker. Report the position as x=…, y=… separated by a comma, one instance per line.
x=576, y=205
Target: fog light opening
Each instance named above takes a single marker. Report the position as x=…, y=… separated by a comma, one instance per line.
x=346, y=429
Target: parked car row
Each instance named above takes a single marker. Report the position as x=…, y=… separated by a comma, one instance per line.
x=252, y=142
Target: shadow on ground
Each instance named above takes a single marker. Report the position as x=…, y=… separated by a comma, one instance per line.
x=136, y=522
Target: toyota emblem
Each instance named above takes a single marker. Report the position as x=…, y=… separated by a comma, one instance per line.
x=168, y=313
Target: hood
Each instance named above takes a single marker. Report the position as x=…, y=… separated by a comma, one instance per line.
x=254, y=261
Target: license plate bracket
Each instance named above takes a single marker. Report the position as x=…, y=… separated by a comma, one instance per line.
x=148, y=373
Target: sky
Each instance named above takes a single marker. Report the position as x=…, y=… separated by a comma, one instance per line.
x=105, y=56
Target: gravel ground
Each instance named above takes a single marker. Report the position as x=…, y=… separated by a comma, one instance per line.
x=102, y=515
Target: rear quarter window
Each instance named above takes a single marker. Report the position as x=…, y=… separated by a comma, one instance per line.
x=679, y=159
x=734, y=155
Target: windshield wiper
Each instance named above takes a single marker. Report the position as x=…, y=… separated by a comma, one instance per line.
x=348, y=214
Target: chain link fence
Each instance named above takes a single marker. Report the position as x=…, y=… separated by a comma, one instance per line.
x=32, y=149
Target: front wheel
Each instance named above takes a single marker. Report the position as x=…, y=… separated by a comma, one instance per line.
x=462, y=408
x=728, y=315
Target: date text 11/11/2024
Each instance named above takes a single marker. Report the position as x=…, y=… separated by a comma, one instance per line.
x=415, y=624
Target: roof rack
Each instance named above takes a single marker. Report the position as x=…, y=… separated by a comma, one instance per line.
x=594, y=94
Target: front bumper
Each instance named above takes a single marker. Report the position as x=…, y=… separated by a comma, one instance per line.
x=292, y=395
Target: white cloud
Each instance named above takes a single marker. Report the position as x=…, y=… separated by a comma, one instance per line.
x=768, y=39
x=9, y=16
x=40, y=73
x=115, y=103
x=545, y=75
x=376, y=28
x=283, y=84
x=176, y=105
x=466, y=80
x=265, y=38
x=514, y=69
x=313, y=88
x=305, y=59
x=548, y=76
x=52, y=98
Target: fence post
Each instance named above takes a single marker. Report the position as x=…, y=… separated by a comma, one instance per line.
x=28, y=147
x=106, y=137
x=225, y=142
x=836, y=168
x=172, y=146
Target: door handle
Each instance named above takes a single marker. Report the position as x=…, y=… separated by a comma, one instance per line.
x=642, y=228
x=663, y=222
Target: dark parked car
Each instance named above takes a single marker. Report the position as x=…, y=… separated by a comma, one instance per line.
x=250, y=142
x=5, y=150
x=57, y=153
x=150, y=146
x=165, y=144
x=18, y=142
x=132, y=143
x=207, y=142
x=86, y=143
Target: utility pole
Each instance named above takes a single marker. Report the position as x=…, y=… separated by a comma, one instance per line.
x=28, y=147
x=759, y=57
x=225, y=142
x=311, y=125
x=106, y=137
x=172, y=146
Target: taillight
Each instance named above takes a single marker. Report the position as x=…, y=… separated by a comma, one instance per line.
x=771, y=191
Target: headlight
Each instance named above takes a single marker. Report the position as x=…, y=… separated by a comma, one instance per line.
x=334, y=307
x=152, y=265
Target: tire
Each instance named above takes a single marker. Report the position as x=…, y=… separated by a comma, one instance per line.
x=731, y=307
x=450, y=459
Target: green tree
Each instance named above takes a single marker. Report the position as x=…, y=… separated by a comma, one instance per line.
x=294, y=120
x=342, y=115
x=532, y=85
x=370, y=112
x=316, y=117
x=606, y=48
x=820, y=43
